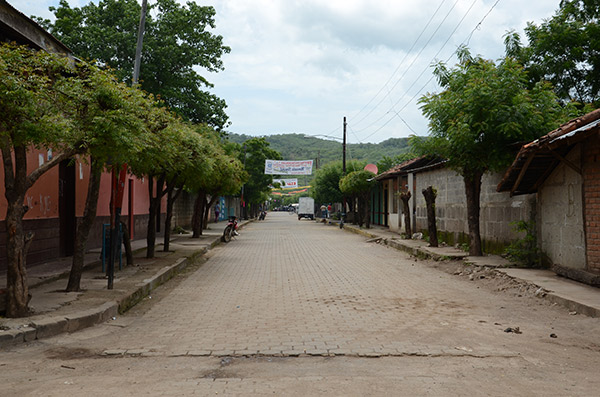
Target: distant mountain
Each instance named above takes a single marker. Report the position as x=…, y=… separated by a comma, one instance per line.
x=304, y=147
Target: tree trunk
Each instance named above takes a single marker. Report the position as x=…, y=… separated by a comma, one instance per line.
x=367, y=209
x=205, y=213
x=473, y=192
x=359, y=211
x=17, y=289
x=197, y=218
x=84, y=226
x=16, y=185
x=172, y=196
x=210, y=204
x=127, y=244
x=405, y=197
x=155, y=199
x=430, y=195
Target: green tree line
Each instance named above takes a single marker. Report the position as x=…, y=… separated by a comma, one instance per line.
x=80, y=109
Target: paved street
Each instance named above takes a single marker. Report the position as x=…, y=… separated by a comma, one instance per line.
x=299, y=308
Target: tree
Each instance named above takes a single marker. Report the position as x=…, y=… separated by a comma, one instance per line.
x=256, y=190
x=195, y=162
x=110, y=115
x=326, y=183
x=225, y=177
x=564, y=50
x=388, y=162
x=359, y=184
x=176, y=41
x=159, y=161
x=475, y=122
x=35, y=93
x=430, y=195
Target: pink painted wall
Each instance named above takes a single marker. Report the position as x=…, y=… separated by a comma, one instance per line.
x=43, y=196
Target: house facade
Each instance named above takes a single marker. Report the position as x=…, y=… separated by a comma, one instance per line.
x=563, y=169
x=498, y=210
x=58, y=198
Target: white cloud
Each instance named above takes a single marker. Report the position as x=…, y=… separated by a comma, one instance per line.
x=301, y=65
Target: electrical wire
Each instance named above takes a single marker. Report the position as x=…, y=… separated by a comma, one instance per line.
x=402, y=62
x=397, y=113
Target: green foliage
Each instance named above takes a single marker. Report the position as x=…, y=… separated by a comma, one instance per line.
x=177, y=40
x=253, y=155
x=108, y=114
x=32, y=103
x=225, y=175
x=483, y=111
x=358, y=183
x=564, y=50
x=525, y=252
x=388, y=162
x=303, y=147
x=326, y=184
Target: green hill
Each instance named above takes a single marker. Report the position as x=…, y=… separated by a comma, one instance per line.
x=304, y=147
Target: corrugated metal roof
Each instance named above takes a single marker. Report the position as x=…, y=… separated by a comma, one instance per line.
x=413, y=165
x=537, y=159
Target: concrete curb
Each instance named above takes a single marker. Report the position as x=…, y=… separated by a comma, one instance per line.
x=572, y=305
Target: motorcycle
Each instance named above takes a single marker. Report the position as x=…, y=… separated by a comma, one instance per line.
x=230, y=230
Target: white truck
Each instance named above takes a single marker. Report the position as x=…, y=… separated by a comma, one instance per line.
x=306, y=208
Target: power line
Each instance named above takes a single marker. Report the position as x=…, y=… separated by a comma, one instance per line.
x=397, y=113
x=414, y=60
x=402, y=62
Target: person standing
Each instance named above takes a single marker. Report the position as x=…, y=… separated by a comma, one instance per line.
x=217, y=213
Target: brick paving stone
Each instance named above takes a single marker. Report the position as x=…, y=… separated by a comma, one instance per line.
x=297, y=287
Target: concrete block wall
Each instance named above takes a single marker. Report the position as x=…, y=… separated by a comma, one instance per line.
x=183, y=210
x=498, y=210
x=560, y=209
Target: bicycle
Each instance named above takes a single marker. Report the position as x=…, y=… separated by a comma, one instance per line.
x=230, y=230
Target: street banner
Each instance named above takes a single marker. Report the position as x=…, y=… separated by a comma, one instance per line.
x=287, y=183
x=280, y=167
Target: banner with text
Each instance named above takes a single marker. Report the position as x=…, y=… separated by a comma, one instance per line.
x=287, y=183
x=280, y=167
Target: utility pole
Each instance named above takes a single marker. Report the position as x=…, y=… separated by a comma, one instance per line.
x=119, y=171
x=140, y=41
x=318, y=159
x=344, y=167
x=344, y=149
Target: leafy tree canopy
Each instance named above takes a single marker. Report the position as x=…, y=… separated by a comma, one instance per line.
x=177, y=39
x=483, y=111
x=564, y=50
x=326, y=184
x=253, y=155
x=358, y=183
x=388, y=162
x=226, y=174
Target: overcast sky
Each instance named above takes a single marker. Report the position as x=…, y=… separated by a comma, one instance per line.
x=302, y=65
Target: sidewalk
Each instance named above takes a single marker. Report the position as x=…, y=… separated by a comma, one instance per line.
x=575, y=296
x=55, y=311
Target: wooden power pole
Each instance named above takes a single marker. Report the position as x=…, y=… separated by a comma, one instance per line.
x=344, y=149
